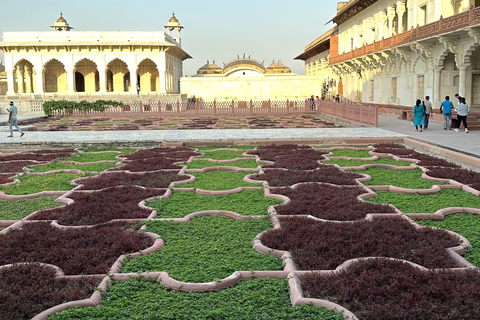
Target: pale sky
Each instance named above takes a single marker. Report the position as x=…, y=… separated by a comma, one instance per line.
x=217, y=30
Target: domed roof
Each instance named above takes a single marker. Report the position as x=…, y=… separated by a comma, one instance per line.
x=246, y=63
x=61, y=19
x=210, y=68
x=61, y=24
x=278, y=67
x=173, y=18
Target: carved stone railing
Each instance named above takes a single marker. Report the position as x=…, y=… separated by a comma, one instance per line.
x=455, y=22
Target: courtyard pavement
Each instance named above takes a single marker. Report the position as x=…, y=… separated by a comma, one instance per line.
x=389, y=127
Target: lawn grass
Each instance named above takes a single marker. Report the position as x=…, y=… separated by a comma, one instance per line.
x=467, y=225
x=411, y=179
x=19, y=209
x=219, y=180
x=97, y=167
x=205, y=249
x=200, y=164
x=223, y=154
x=247, y=203
x=259, y=299
x=351, y=153
x=416, y=203
x=354, y=163
x=33, y=184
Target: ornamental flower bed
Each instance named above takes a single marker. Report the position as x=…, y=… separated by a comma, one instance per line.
x=465, y=176
x=90, y=208
x=161, y=179
x=321, y=245
x=328, y=202
x=325, y=173
x=383, y=289
x=28, y=289
x=37, y=156
x=14, y=166
x=75, y=251
x=219, y=249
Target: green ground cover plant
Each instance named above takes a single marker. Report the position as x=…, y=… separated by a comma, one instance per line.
x=223, y=154
x=19, y=209
x=416, y=203
x=247, y=203
x=351, y=153
x=205, y=249
x=467, y=225
x=260, y=299
x=219, y=180
x=97, y=167
x=200, y=164
x=354, y=163
x=33, y=184
x=405, y=179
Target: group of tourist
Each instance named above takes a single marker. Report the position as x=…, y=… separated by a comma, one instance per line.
x=423, y=112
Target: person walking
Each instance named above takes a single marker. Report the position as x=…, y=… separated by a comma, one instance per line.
x=418, y=113
x=12, y=119
x=462, y=113
x=428, y=112
x=446, y=109
x=317, y=103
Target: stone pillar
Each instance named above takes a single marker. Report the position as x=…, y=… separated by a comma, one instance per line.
x=462, y=80
x=10, y=82
x=103, y=81
x=390, y=16
x=400, y=11
x=28, y=79
x=133, y=79
x=70, y=81
x=19, y=75
x=161, y=66
x=436, y=86
x=39, y=80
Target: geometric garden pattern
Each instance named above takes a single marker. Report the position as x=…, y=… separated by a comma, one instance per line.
x=277, y=231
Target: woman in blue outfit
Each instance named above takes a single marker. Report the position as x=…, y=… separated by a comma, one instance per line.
x=418, y=114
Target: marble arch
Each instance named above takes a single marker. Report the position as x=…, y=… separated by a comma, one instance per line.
x=24, y=76
x=118, y=76
x=148, y=75
x=55, y=76
x=86, y=76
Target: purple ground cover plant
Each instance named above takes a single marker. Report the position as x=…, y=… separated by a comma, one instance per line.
x=181, y=153
x=321, y=245
x=402, y=152
x=149, y=164
x=14, y=166
x=5, y=178
x=75, y=251
x=290, y=156
x=28, y=289
x=328, y=202
x=325, y=173
x=102, y=206
x=161, y=179
x=465, y=176
x=383, y=289
x=48, y=156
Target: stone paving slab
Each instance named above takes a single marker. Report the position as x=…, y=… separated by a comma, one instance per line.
x=197, y=135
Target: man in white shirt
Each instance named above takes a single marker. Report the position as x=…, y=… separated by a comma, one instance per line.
x=12, y=119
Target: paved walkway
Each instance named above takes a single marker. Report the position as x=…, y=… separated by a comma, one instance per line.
x=389, y=127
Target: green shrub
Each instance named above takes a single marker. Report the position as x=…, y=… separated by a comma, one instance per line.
x=50, y=107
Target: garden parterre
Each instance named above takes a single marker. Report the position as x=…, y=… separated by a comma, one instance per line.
x=201, y=225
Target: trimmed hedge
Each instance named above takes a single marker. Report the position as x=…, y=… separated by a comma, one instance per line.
x=50, y=107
